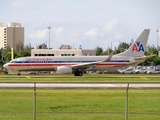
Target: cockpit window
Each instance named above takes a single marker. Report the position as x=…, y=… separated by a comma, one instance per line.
x=16, y=61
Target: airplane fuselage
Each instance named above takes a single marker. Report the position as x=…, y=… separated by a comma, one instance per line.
x=51, y=63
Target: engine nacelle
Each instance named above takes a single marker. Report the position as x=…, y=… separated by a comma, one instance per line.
x=64, y=69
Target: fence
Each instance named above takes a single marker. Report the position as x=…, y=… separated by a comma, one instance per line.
x=114, y=101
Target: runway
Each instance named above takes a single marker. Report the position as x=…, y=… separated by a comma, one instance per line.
x=80, y=85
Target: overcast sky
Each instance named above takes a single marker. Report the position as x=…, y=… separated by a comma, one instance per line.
x=89, y=23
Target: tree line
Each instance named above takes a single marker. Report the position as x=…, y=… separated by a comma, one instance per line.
x=21, y=51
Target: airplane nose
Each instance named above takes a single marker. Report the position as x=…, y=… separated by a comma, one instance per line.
x=5, y=66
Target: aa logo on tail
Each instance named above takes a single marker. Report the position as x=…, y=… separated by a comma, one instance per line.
x=137, y=47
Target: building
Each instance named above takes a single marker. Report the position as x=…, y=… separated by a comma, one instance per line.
x=65, y=47
x=12, y=35
x=65, y=50
x=42, y=46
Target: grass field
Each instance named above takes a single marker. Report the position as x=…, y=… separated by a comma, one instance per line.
x=85, y=78
x=80, y=104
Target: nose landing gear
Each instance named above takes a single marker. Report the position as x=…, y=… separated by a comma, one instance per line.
x=5, y=71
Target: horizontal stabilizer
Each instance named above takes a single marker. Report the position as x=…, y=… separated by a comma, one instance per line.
x=145, y=57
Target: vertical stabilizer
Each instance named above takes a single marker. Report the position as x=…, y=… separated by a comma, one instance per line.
x=138, y=47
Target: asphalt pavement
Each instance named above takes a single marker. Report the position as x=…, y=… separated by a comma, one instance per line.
x=80, y=85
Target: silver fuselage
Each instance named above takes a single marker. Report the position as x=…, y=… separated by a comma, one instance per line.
x=47, y=63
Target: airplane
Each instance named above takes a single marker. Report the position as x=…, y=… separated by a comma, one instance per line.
x=79, y=64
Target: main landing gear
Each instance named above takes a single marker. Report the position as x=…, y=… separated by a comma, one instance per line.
x=78, y=72
x=19, y=74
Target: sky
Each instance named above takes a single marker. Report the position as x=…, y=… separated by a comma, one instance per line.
x=89, y=23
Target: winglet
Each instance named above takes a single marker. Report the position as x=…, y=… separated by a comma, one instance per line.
x=109, y=57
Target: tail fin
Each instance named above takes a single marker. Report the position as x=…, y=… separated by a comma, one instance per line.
x=138, y=47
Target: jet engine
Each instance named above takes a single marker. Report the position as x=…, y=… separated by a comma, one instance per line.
x=64, y=69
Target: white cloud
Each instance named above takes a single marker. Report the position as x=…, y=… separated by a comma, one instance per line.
x=58, y=32
x=92, y=33
x=18, y=3
x=110, y=26
x=39, y=35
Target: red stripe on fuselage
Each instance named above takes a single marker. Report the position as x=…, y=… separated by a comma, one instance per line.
x=45, y=64
x=110, y=64
x=39, y=64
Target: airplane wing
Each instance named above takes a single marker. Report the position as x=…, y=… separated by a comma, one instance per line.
x=91, y=64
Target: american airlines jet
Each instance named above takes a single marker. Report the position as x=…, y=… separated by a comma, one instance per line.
x=78, y=64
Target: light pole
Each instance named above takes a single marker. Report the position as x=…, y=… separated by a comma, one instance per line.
x=157, y=38
x=111, y=45
x=49, y=37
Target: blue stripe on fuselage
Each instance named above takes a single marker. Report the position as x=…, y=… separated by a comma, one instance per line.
x=119, y=61
x=68, y=61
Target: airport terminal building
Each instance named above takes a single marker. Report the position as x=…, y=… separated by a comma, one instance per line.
x=64, y=50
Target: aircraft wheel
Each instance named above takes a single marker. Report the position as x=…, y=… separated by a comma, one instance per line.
x=19, y=74
x=75, y=73
x=5, y=72
x=78, y=73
